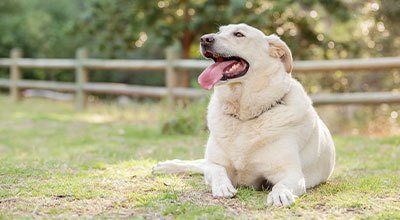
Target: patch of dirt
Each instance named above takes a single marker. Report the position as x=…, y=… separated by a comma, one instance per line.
x=3, y=148
x=6, y=186
x=202, y=197
x=56, y=206
x=10, y=199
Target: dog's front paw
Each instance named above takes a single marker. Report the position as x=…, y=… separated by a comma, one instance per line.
x=280, y=197
x=223, y=190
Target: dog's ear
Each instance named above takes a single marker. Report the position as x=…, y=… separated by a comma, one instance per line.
x=279, y=49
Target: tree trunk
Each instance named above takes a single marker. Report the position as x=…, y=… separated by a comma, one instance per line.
x=185, y=43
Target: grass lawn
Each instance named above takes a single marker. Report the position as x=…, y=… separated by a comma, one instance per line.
x=57, y=163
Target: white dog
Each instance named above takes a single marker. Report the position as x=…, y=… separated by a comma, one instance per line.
x=264, y=130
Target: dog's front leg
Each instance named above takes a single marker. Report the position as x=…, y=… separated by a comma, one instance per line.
x=287, y=175
x=216, y=176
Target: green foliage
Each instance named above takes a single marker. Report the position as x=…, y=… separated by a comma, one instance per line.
x=314, y=29
x=187, y=119
x=168, y=22
x=41, y=30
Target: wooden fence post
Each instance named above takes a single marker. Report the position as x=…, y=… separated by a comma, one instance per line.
x=81, y=77
x=170, y=79
x=15, y=74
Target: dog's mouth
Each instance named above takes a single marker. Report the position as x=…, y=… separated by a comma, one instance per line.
x=224, y=69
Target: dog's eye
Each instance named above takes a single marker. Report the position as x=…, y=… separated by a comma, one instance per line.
x=238, y=34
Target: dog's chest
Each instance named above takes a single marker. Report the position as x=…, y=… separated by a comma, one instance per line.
x=237, y=137
x=240, y=143
x=244, y=172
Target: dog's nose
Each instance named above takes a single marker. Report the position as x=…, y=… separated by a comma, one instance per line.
x=207, y=39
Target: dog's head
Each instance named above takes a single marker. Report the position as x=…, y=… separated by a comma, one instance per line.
x=240, y=51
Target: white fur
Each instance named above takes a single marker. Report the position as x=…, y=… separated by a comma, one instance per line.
x=287, y=145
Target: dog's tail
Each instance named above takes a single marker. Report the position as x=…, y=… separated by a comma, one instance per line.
x=180, y=166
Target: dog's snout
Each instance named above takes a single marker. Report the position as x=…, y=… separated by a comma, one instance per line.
x=207, y=39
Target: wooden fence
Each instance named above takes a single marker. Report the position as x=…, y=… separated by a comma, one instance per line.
x=82, y=65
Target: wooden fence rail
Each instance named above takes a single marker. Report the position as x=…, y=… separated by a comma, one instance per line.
x=82, y=65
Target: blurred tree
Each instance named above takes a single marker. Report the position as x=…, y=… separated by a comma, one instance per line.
x=372, y=31
x=41, y=29
x=115, y=24
x=314, y=29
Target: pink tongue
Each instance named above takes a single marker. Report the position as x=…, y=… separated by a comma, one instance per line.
x=213, y=74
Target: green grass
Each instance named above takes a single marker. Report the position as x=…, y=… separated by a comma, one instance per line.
x=57, y=163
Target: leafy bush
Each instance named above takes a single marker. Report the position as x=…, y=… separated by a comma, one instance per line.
x=189, y=118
